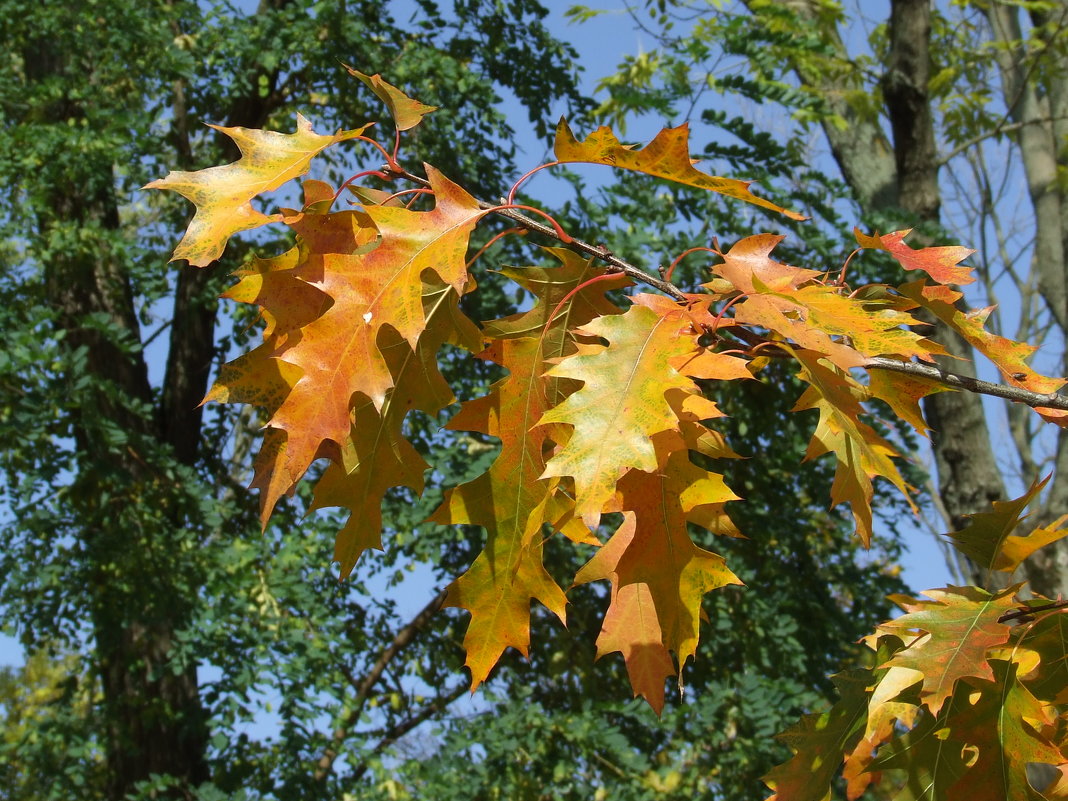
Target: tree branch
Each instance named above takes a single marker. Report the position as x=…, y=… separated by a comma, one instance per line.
x=600, y=252
x=395, y=732
x=969, y=384
x=401, y=641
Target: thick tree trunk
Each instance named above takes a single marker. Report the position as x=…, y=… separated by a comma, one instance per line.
x=155, y=723
x=154, y=720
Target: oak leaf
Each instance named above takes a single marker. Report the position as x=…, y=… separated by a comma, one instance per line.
x=941, y=263
x=1005, y=728
x=667, y=156
x=339, y=353
x=406, y=112
x=990, y=539
x=820, y=743
x=948, y=636
x=860, y=452
x=630, y=392
x=512, y=500
x=222, y=195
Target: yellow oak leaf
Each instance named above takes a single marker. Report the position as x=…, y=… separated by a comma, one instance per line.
x=406, y=112
x=667, y=156
x=222, y=195
x=860, y=452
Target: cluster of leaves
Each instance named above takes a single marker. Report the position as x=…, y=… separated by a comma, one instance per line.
x=965, y=690
x=605, y=409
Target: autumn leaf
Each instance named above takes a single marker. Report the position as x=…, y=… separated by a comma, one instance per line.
x=631, y=625
x=406, y=112
x=947, y=637
x=512, y=500
x=222, y=195
x=630, y=392
x=1009, y=356
x=861, y=453
x=339, y=353
x=377, y=456
x=661, y=554
x=932, y=762
x=790, y=302
x=667, y=156
x=990, y=540
x=902, y=393
x=893, y=704
x=941, y=263
x=1006, y=728
x=1047, y=638
x=820, y=742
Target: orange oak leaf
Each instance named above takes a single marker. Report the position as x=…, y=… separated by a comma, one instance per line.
x=1009, y=356
x=406, y=112
x=947, y=637
x=286, y=302
x=790, y=302
x=861, y=453
x=630, y=625
x=377, y=456
x=222, y=195
x=658, y=575
x=748, y=263
x=339, y=352
x=941, y=263
x=661, y=554
x=667, y=156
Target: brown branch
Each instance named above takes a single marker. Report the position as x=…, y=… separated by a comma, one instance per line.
x=1025, y=613
x=398, y=730
x=969, y=384
x=403, y=638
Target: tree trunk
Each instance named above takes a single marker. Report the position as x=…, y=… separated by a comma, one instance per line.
x=155, y=723
x=902, y=179
x=968, y=476
x=1037, y=101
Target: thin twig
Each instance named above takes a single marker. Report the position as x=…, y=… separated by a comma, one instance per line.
x=616, y=264
x=400, y=642
x=394, y=733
